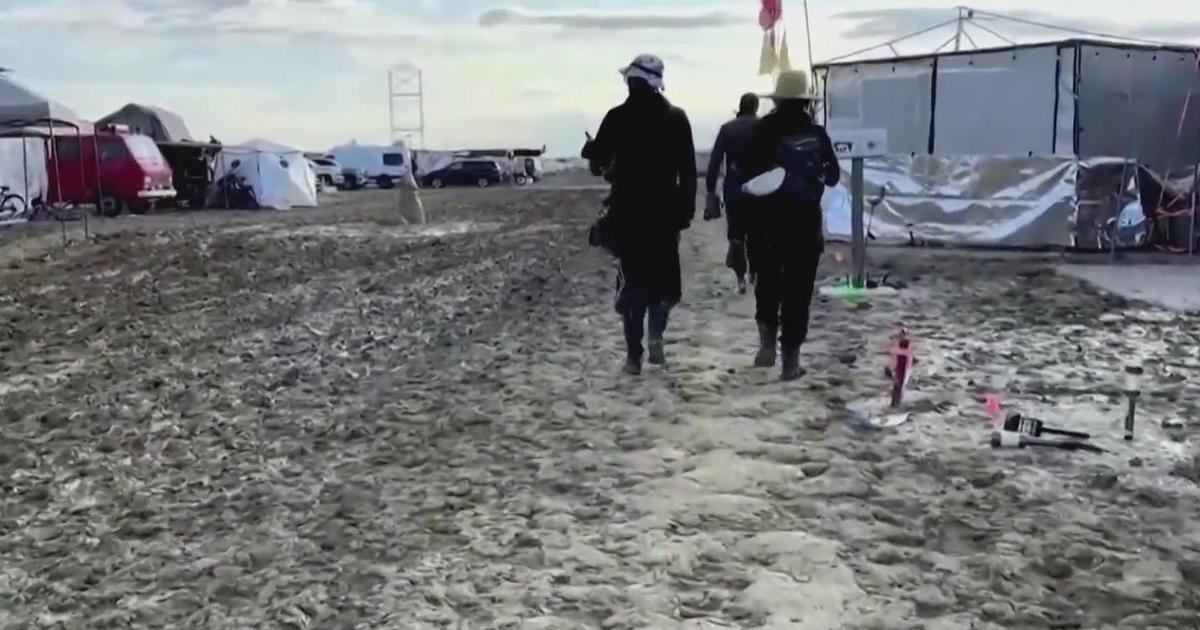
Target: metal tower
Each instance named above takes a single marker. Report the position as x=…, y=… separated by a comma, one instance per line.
x=406, y=84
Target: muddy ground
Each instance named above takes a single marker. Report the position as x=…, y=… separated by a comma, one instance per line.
x=327, y=419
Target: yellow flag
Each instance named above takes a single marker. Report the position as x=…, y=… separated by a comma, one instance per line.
x=785, y=63
x=768, y=61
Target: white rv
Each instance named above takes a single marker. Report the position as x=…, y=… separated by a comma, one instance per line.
x=383, y=165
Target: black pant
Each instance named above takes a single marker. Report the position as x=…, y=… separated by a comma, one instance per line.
x=737, y=257
x=787, y=273
x=648, y=285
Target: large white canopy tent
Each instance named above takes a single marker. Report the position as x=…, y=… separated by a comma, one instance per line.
x=279, y=175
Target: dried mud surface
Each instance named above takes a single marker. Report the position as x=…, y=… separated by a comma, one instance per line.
x=326, y=419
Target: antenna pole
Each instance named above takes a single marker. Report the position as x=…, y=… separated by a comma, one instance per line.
x=406, y=81
x=958, y=28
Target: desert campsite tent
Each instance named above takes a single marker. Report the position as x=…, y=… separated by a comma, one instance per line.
x=1032, y=145
x=160, y=124
x=26, y=120
x=280, y=176
x=20, y=104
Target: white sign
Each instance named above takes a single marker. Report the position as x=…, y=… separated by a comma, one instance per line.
x=859, y=143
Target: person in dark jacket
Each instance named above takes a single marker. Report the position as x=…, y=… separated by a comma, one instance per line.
x=787, y=234
x=644, y=148
x=733, y=141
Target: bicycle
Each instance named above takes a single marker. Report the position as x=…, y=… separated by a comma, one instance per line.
x=12, y=205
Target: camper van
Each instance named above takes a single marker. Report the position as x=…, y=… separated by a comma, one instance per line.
x=134, y=176
x=382, y=165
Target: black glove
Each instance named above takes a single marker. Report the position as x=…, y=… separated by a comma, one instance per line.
x=712, y=207
x=685, y=216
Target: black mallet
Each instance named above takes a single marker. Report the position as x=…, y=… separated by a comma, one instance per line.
x=1036, y=428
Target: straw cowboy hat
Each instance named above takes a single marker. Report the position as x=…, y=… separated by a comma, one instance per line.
x=792, y=85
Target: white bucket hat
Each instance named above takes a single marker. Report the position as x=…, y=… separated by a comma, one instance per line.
x=648, y=67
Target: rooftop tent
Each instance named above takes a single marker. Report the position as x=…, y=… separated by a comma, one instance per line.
x=160, y=124
x=280, y=175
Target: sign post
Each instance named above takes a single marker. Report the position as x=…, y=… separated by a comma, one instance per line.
x=856, y=144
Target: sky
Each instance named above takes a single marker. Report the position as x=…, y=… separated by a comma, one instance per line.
x=313, y=73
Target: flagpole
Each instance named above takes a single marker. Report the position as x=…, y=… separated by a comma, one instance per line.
x=808, y=38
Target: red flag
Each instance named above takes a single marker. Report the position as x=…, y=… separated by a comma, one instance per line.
x=770, y=13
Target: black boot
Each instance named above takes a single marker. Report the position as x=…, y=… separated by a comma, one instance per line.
x=767, y=338
x=655, y=354
x=633, y=366
x=791, y=364
x=741, y=285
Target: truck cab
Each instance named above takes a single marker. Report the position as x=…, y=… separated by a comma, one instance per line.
x=133, y=174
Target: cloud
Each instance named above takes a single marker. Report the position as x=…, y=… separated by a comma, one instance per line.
x=1025, y=25
x=613, y=20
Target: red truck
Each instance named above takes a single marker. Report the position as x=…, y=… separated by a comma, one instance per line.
x=134, y=175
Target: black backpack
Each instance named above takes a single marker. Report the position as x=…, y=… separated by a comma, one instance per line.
x=799, y=155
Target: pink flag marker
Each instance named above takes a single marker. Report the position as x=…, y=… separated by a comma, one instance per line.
x=993, y=407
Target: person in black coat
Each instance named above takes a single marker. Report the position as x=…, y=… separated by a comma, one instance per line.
x=733, y=141
x=787, y=235
x=644, y=148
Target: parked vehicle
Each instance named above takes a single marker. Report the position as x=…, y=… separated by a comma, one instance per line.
x=134, y=176
x=191, y=170
x=381, y=165
x=482, y=173
x=352, y=178
x=329, y=173
x=526, y=169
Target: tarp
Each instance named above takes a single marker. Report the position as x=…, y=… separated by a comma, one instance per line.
x=280, y=176
x=1022, y=202
x=160, y=124
x=19, y=103
x=24, y=172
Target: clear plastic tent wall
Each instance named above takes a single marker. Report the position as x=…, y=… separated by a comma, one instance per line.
x=23, y=167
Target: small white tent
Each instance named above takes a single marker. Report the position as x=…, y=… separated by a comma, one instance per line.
x=280, y=176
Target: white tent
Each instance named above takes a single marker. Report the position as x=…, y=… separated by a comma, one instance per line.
x=280, y=176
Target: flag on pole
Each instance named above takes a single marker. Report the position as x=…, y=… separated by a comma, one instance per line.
x=785, y=63
x=774, y=47
x=770, y=14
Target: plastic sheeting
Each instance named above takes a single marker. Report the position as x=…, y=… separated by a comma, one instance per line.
x=280, y=176
x=24, y=171
x=972, y=90
x=1021, y=202
x=1107, y=99
x=896, y=96
x=1142, y=103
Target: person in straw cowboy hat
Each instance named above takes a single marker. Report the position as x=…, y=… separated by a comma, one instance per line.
x=786, y=236
x=644, y=148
